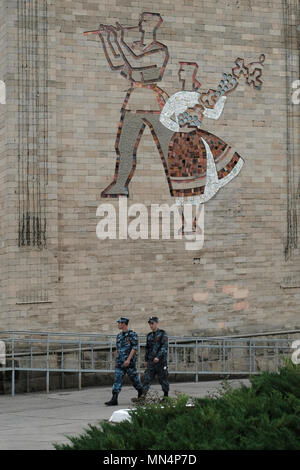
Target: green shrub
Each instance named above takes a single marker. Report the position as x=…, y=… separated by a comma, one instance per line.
x=265, y=415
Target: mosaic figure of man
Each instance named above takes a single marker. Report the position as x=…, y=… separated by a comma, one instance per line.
x=143, y=63
x=127, y=345
x=156, y=357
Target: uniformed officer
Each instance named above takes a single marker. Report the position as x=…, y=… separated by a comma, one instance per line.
x=156, y=357
x=127, y=344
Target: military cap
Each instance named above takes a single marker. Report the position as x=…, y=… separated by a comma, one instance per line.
x=123, y=320
x=153, y=319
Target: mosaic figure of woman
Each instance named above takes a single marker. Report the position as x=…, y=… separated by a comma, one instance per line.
x=199, y=162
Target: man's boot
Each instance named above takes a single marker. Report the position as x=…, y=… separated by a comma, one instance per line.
x=113, y=401
x=141, y=396
x=165, y=397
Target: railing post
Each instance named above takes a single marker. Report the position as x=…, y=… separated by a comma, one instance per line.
x=139, y=358
x=92, y=358
x=176, y=358
x=196, y=360
x=79, y=365
x=31, y=359
x=62, y=366
x=30, y=367
x=13, y=366
x=110, y=354
x=276, y=358
x=47, y=367
x=250, y=356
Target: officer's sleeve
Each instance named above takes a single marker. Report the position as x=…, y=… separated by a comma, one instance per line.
x=163, y=350
x=134, y=341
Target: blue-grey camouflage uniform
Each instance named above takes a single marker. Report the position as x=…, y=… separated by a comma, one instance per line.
x=125, y=343
x=157, y=346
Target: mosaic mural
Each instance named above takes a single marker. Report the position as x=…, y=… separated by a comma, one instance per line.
x=196, y=163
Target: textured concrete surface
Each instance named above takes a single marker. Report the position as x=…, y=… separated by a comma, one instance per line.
x=35, y=421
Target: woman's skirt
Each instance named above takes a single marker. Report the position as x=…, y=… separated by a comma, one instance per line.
x=187, y=161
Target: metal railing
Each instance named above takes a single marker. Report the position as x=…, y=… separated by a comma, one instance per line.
x=49, y=352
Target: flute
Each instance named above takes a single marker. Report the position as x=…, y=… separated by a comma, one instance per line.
x=96, y=31
x=118, y=27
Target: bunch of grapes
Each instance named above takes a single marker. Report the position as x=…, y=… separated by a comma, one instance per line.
x=190, y=120
x=227, y=83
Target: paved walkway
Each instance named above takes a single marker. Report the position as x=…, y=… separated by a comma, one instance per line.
x=35, y=421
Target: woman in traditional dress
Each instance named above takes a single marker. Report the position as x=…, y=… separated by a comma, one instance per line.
x=199, y=163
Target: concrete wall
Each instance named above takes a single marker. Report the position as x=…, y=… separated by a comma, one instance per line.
x=241, y=280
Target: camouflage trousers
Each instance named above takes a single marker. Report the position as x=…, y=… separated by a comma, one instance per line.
x=159, y=369
x=132, y=373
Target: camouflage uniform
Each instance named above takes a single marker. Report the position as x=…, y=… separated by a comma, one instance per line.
x=125, y=343
x=157, y=346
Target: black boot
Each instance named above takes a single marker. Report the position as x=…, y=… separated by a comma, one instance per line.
x=113, y=401
x=140, y=397
x=166, y=394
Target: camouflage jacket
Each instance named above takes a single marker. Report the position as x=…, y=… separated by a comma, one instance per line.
x=157, y=346
x=125, y=343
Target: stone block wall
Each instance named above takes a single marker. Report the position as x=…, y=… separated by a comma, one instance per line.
x=58, y=133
